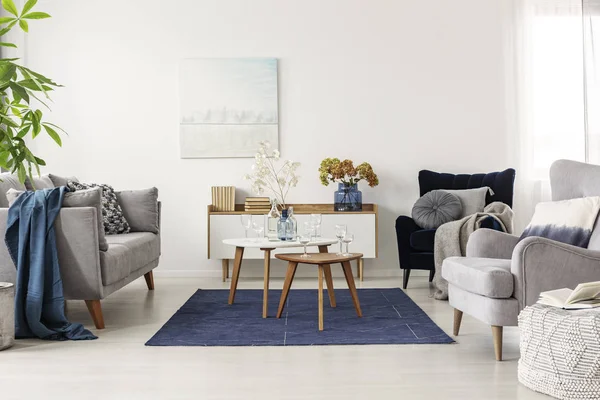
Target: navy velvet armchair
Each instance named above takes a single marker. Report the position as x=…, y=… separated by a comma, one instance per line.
x=415, y=245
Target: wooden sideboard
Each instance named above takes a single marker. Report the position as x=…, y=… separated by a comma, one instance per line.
x=227, y=225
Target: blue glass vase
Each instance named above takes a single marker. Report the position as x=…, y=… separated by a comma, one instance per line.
x=347, y=198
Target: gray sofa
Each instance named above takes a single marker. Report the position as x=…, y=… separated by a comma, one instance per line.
x=91, y=267
x=502, y=275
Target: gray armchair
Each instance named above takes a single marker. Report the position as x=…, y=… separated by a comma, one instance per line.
x=502, y=275
x=93, y=266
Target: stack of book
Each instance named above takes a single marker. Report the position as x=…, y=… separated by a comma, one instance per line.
x=258, y=204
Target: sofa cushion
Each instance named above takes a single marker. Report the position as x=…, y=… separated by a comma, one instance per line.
x=436, y=208
x=127, y=253
x=140, y=208
x=39, y=182
x=112, y=214
x=8, y=181
x=82, y=198
x=487, y=277
x=61, y=180
x=472, y=200
x=423, y=240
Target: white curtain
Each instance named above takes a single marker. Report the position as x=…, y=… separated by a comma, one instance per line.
x=553, y=92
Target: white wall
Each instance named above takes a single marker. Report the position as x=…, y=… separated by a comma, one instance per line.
x=403, y=84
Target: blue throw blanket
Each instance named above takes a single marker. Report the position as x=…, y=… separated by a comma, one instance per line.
x=31, y=242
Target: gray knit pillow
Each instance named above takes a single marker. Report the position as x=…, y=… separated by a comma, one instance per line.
x=436, y=208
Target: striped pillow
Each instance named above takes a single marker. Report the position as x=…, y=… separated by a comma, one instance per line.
x=568, y=221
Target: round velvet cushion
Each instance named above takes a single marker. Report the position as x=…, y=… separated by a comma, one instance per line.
x=436, y=208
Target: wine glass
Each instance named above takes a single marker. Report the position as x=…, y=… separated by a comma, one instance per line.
x=316, y=220
x=348, y=238
x=309, y=229
x=246, y=220
x=340, y=232
x=304, y=240
x=258, y=229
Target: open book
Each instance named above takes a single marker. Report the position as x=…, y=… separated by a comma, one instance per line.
x=585, y=295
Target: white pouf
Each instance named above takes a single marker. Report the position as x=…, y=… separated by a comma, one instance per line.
x=7, y=315
x=560, y=352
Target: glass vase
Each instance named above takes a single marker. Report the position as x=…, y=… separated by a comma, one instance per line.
x=347, y=198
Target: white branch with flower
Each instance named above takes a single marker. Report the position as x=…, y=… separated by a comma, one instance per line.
x=267, y=175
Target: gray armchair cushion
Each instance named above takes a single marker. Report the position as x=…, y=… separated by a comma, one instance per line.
x=436, y=208
x=39, y=182
x=127, y=253
x=140, y=208
x=82, y=198
x=9, y=181
x=61, y=180
x=487, y=277
x=488, y=243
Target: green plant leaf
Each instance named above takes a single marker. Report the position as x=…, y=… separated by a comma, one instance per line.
x=40, y=161
x=21, y=173
x=40, y=77
x=57, y=127
x=17, y=89
x=52, y=133
x=9, y=6
x=6, y=72
x=6, y=29
x=28, y=6
x=30, y=84
x=37, y=127
x=5, y=119
x=23, y=132
x=6, y=20
x=36, y=15
x=6, y=44
x=24, y=25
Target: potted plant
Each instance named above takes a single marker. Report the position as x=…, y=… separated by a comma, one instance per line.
x=347, y=197
x=19, y=87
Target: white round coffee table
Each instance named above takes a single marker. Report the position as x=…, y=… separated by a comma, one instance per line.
x=266, y=246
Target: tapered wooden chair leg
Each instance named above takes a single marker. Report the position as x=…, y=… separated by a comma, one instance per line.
x=405, y=276
x=457, y=320
x=95, y=310
x=497, y=333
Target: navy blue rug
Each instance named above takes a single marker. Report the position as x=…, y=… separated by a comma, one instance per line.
x=389, y=317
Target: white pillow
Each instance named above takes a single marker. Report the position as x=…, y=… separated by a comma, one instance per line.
x=472, y=200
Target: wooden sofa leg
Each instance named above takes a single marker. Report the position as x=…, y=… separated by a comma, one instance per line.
x=457, y=321
x=149, y=280
x=405, y=276
x=95, y=310
x=497, y=332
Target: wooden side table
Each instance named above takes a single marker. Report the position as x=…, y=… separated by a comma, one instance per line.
x=267, y=247
x=323, y=261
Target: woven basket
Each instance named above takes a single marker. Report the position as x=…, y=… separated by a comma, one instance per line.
x=7, y=315
x=560, y=352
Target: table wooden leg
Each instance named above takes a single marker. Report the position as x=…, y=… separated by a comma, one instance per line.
x=237, y=265
x=267, y=272
x=328, y=278
x=320, y=297
x=225, y=266
x=287, y=284
x=350, y=280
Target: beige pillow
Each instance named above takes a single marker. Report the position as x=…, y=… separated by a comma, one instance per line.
x=81, y=198
x=472, y=200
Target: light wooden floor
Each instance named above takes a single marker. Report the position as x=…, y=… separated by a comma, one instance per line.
x=119, y=366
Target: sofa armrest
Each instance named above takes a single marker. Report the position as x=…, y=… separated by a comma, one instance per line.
x=141, y=209
x=540, y=264
x=405, y=226
x=488, y=243
x=78, y=254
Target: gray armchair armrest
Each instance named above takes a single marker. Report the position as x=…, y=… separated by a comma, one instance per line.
x=487, y=243
x=541, y=264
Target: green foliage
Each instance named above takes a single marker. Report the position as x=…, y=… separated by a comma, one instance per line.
x=21, y=90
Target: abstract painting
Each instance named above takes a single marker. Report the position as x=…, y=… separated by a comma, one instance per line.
x=228, y=106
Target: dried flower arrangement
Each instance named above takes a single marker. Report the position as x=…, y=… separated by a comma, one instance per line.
x=334, y=170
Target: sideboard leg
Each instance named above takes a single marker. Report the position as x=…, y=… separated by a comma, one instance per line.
x=225, y=265
x=361, y=265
